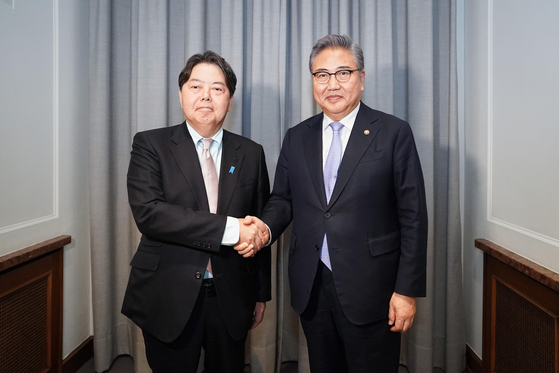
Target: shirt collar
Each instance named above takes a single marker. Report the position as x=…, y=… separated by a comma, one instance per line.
x=348, y=121
x=197, y=137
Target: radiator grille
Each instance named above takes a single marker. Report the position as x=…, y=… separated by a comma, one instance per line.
x=23, y=329
x=524, y=334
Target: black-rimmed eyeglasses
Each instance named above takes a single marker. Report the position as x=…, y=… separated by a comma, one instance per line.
x=342, y=76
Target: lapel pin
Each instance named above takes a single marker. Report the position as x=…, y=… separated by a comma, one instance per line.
x=232, y=169
x=366, y=132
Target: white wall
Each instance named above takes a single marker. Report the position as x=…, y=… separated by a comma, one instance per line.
x=511, y=131
x=44, y=142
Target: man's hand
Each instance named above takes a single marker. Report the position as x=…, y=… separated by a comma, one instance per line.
x=263, y=231
x=401, y=312
x=258, y=314
x=245, y=249
x=253, y=236
x=260, y=224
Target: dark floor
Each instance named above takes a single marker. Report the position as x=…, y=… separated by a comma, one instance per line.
x=124, y=364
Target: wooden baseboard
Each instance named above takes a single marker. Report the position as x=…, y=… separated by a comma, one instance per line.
x=82, y=354
x=473, y=362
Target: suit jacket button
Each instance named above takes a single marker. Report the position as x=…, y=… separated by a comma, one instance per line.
x=198, y=275
x=316, y=247
x=327, y=215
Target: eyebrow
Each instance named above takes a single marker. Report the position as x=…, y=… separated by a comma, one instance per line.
x=337, y=68
x=203, y=81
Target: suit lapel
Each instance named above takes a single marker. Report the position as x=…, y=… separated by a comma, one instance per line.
x=184, y=151
x=313, y=154
x=362, y=135
x=231, y=163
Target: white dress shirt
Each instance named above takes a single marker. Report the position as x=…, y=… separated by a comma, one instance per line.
x=232, y=228
x=327, y=132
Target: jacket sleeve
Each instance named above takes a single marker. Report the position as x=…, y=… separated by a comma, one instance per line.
x=157, y=218
x=278, y=211
x=264, y=256
x=412, y=211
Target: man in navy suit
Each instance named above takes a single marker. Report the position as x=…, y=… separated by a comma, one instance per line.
x=350, y=180
x=195, y=280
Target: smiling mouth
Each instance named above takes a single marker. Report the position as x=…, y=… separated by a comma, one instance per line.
x=333, y=98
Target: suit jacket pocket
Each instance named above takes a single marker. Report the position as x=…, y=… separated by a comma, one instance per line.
x=373, y=156
x=246, y=183
x=149, y=242
x=384, y=244
x=143, y=260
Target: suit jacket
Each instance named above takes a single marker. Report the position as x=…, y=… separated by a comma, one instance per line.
x=168, y=199
x=376, y=221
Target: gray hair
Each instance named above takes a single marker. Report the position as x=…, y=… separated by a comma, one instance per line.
x=338, y=41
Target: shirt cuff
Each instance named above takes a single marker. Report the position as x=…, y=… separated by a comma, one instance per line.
x=269, y=235
x=232, y=232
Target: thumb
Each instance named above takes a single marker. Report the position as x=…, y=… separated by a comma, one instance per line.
x=248, y=220
x=391, y=315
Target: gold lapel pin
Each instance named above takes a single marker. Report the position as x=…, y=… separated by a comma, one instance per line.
x=366, y=132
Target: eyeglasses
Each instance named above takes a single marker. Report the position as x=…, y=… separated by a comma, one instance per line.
x=342, y=76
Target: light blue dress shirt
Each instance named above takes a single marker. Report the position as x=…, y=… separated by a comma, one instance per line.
x=232, y=228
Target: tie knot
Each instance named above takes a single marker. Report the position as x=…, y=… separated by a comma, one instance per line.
x=207, y=143
x=336, y=126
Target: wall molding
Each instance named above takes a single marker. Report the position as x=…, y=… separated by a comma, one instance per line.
x=490, y=217
x=55, y=132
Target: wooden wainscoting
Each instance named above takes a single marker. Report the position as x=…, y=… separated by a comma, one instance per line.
x=473, y=362
x=520, y=313
x=31, y=308
x=82, y=354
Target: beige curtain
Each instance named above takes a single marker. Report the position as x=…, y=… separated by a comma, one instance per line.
x=138, y=48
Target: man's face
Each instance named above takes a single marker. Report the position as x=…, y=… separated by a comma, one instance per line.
x=337, y=99
x=205, y=99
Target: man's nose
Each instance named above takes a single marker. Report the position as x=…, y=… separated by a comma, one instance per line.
x=333, y=83
x=206, y=94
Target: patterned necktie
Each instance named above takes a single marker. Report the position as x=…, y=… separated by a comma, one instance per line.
x=330, y=175
x=210, y=180
x=210, y=175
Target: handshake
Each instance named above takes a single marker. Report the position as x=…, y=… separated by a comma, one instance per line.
x=253, y=236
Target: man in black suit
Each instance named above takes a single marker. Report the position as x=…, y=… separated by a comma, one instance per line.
x=350, y=180
x=195, y=280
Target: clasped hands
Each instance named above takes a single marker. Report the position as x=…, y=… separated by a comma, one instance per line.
x=253, y=236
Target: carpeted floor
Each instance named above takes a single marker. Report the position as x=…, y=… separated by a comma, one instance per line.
x=124, y=364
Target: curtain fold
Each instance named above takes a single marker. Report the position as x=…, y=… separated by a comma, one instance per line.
x=138, y=48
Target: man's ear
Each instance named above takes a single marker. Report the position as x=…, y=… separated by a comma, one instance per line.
x=362, y=77
x=230, y=103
